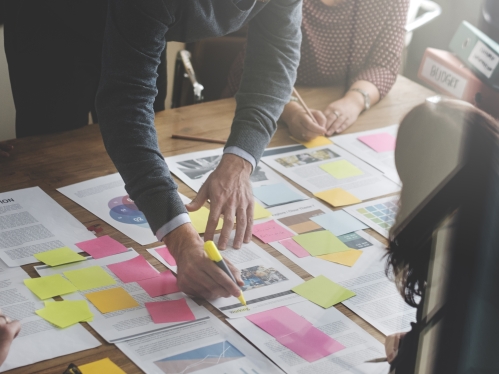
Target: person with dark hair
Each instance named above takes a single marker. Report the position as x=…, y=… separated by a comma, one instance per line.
x=421, y=169
x=355, y=43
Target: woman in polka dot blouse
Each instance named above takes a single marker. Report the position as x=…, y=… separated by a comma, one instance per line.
x=357, y=43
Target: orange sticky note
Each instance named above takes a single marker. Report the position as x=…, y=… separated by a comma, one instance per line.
x=338, y=197
x=111, y=300
x=317, y=142
x=347, y=258
x=102, y=366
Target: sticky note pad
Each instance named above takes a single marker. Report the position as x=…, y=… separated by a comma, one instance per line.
x=382, y=142
x=341, y=169
x=101, y=247
x=260, y=212
x=339, y=223
x=294, y=248
x=65, y=313
x=347, y=258
x=320, y=243
x=99, y=367
x=276, y=194
x=164, y=284
x=170, y=311
x=88, y=278
x=166, y=255
x=58, y=256
x=323, y=292
x=133, y=270
x=111, y=300
x=279, y=322
x=199, y=219
x=49, y=286
x=338, y=197
x=270, y=232
x=317, y=142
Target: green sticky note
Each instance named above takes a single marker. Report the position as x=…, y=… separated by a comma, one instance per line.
x=49, y=286
x=323, y=292
x=341, y=169
x=66, y=313
x=88, y=278
x=320, y=243
x=58, y=256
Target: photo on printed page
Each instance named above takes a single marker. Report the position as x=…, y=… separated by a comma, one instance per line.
x=306, y=158
x=260, y=276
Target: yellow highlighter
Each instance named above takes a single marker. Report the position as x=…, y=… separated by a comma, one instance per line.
x=214, y=255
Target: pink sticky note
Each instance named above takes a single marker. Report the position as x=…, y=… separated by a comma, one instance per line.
x=270, y=232
x=311, y=344
x=279, y=321
x=133, y=270
x=295, y=248
x=164, y=284
x=167, y=256
x=101, y=247
x=382, y=142
x=170, y=311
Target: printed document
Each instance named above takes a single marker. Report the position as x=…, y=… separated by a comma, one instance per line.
x=123, y=324
x=32, y=222
x=359, y=345
x=38, y=340
x=267, y=282
x=206, y=345
x=324, y=168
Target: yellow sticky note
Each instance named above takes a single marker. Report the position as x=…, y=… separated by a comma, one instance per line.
x=323, y=292
x=59, y=256
x=65, y=313
x=99, y=367
x=88, y=278
x=260, y=212
x=49, y=286
x=111, y=300
x=341, y=169
x=338, y=197
x=317, y=142
x=199, y=219
x=347, y=258
x=320, y=243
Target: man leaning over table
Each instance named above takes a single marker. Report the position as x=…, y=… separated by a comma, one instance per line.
x=136, y=33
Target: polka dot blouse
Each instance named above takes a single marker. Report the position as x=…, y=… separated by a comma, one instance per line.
x=344, y=43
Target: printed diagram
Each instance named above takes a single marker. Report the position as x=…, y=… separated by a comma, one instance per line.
x=306, y=158
x=259, y=276
x=124, y=210
x=200, y=358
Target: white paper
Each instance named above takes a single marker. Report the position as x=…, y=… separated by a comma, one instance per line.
x=359, y=345
x=268, y=281
x=107, y=198
x=378, y=214
x=207, y=346
x=124, y=324
x=303, y=167
x=194, y=168
x=484, y=59
x=377, y=301
x=38, y=340
x=32, y=222
x=383, y=161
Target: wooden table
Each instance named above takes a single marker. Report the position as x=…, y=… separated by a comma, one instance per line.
x=62, y=159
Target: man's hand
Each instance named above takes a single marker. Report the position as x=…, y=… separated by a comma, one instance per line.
x=5, y=149
x=229, y=190
x=300, y=125
x=8, y=332
x=197, y=275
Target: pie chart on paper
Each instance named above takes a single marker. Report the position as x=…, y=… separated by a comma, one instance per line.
x=124, y=210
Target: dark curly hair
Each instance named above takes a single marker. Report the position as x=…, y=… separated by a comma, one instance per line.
x=409, y=268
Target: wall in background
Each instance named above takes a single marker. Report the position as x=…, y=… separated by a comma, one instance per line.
x=7, y=110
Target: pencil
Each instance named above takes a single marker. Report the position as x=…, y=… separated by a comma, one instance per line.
x=302, y=103
x=377, y=360
x=198, y=139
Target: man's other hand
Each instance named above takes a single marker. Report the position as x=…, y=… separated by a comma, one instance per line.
x=229, y=190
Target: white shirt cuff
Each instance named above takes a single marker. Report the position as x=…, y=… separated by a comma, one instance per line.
x=172, y=225
x=241, y=153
